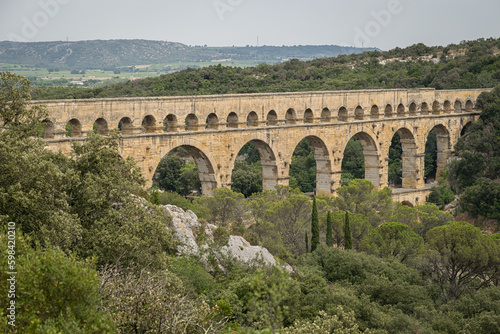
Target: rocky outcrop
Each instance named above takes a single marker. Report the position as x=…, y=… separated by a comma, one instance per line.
x=186, y=227
x=242, y=250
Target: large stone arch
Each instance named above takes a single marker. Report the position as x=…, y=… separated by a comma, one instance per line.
x=409, y=159
x=267, y=160
x=205, y=167
x=323, y=163
x=370, y=154
x=443, y=143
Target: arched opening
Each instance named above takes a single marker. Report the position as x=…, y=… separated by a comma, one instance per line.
x=187, y=171
x=170, y=123
x=469, y=106
x=212, y=122
x=401, y=110
x=191, y=122
x=343, y=114
x=255, y=168
x=465, y=129
x=407, y=203
x=402, y=164
x=149, y=124
x=272, y=118
x=360, y=159
x=413, y=109
x=290, y=116
x=308, y=116
x=458, y=106
x=232, y=120
x=447, y=106
x=436, y=108
x=326, y=115
x=125, y=126
x=437, y=150
x=73, y=128
x=310, y=169
x=252, y=119
x=48, y=129
x=101, y=127
x=359, y=113
x=246, y=177
x=374, y=113
x=424, y=108
x=388, y=111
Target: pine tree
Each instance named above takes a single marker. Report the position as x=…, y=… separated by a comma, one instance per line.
x=155, y=197
x=347, y=233
x=314, y=227
x=329, y=229
x=307, y=243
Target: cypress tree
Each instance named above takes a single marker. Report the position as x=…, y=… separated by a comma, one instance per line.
x=347, y=233
x=329, y=229
x=314, y=227
x=307, y=243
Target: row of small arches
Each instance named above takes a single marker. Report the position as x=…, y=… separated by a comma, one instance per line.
x=191, y=123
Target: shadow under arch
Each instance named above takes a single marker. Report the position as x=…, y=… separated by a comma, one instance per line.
x=268, y=162
x=323, y=165
x=370, y=157
x=465, y=127
x=205, y=168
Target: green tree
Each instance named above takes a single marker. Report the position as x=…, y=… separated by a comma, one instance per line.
x=462, y=257
x=16, y=114
x=246, y=178
x=290, y=218
x=303, y=167
x=393, y=239
x=54, y=293
x=314, y=226
x=329, y=229
x=226, y=207
x=353, y=162
x=347, y=233
x=360, y=196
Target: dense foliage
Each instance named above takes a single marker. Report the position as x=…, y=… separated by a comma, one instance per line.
x=96, y=256
x=470, y=64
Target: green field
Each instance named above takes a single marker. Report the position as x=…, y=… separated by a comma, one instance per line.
x=41, y=76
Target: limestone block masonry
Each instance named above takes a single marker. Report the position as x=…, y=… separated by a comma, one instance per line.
x=214, y=128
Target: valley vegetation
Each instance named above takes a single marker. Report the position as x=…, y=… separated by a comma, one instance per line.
x=95, y=254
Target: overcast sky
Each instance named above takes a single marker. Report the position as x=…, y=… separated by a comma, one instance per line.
x=379, y=23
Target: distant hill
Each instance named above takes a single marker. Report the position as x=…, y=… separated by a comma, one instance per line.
x=470, y=64
x=100, y=54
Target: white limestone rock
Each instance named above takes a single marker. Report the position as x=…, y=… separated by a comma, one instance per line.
x=184, y=222
x=241, y=249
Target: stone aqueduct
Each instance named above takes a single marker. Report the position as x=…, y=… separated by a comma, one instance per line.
x=213, y=129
